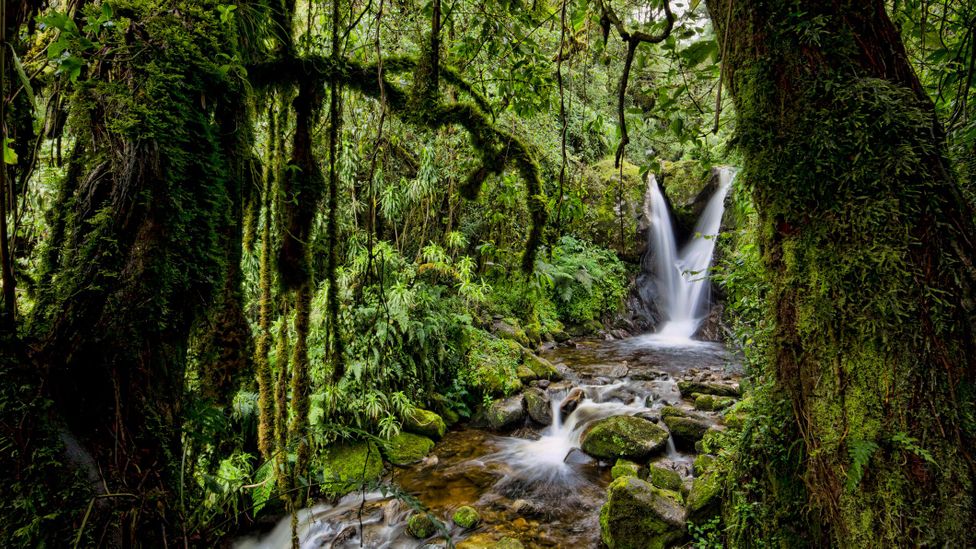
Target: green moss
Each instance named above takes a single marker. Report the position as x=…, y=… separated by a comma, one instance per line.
x=686, y=431
x=623, y=437
x=637, y=515
x=711, y=403
x=406, y=448
x=421, y=526
x=704, y=499
x=666, y=479
x=466, y=517
x=542, y=368
x=702, y=464
x=424, y=422
x=624, y=468
x=346, y=466
x=493, y=364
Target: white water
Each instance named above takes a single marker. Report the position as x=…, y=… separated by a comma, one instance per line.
x=681, y=276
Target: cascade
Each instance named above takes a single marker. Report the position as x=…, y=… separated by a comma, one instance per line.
x=681, y=275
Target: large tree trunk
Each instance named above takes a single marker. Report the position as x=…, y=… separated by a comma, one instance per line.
x=868, y=245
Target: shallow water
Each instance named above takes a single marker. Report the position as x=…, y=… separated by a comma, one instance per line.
x=534, y=484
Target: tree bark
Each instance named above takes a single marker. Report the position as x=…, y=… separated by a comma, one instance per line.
x=868, y=245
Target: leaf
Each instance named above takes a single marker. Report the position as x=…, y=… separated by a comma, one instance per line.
x=23, y=78
x=860, y=452
x=9, y=156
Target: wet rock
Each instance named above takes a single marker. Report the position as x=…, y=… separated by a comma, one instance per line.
x=671, y=411
x=506, y=413
x=647, y=375
x=424, y=422
x=623, y=436
x=686, y=431
x=542, y=383
x=664, y=478
x=466, y=517
x=525, y=374
x=421, y=525
x=625, y=468
x=406, y=448
x=639, y=515
x=687, y=388
x=526, y=508
x=712, y=403
x=538, y=405
x=578, y=457
x=571, y=401
x=346, y=466
x=508, y=543
x=542, y=368
x=485, y=540
x=704, y=501
x=649, y=416
x=618, y=371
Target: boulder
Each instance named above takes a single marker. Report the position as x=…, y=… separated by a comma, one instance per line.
x=525, y=374
x=623, y=437
x=421, y=525
x=663, y=478
x=571, y=401
x=424, y=422
x=712, y=403
x=639, y=515
x=688, y=388
x=508, y=328
x=702, y=464
x=542, y=368
x=704, y=500
x=406, y=448
x=538, y=405
x=346, y=466
x=686, y=431
x=625, y=468
x=506, y=413
x=466, y=517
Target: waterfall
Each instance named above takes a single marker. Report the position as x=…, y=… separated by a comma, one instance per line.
x=681, y=276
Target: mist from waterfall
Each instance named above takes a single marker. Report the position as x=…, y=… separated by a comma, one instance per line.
x=682, y=275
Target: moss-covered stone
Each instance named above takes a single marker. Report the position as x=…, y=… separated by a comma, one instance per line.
x=346, y=466
x=466, y=516
x=704, y=500
x=623, y=437
x=421, y=525
x=625, y=468
x=665, y=479
x=711, y=403
x=494, y=363
x=506, y=413
x=406, y=448
x=542, y=368
x=424, y=422
x=688, y=388
x=669, y=411
x=638, y=515
x=538, y=405
x=509, y=328
x=686, y=431
x=485, y=540
x=525, y=374
x=702, y=464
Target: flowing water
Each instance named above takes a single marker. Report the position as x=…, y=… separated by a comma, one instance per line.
x=536, y=485
x=681, y=275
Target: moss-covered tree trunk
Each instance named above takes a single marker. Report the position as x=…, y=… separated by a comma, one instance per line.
x=869, y=247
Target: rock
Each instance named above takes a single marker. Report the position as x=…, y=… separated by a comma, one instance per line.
x=687, y=388
x=542, y=383
x=639, y=515
x=578, y=457
x=508, y=328
x=424, y=422
x=506, y=413
x=671, y=411
x=649, y=416
x=648, y=375
x=624, y=468
x=538, y=405
x=466, y=517
x=571, y=401
x=406, y=448
x=702, y=464
x=663, y=478
x=484, y=540
x=542, y=368
x=508, y=543
x=704, y=501
x=623, y=436
x=686, y=431
x=712, y=403
x=617, y=371
x=421, y=526
x=346, y=466
x=525, y=374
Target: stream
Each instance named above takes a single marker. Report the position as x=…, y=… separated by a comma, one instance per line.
x=535, y=484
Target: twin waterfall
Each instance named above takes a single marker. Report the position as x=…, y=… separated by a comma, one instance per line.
x=682, y=275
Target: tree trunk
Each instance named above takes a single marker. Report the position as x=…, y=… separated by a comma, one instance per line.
x=868, y=245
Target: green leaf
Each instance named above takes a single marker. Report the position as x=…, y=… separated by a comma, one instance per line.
x=23, y=78
x=9, y=156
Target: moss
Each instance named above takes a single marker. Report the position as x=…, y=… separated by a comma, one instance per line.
x=704, y=500
x=347, y=466
x=666, y=479
x=625, y=468
x=406, y=448
x=686, y=431
x=638, y=515
x=466, y=517
x=494, y=363
x=711, y=403
x=541, y=367
x=420, y=525
x=702, y=464
x=525, y=374
x=689, y=388
x=424, y=422
x=623, y=437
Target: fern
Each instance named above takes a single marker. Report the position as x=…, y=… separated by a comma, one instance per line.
x=860, y=452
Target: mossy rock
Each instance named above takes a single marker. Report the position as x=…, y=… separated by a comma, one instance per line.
x=525, y=374
x=421, y=525
x=508, y=543
x=494, y=364
x=688, y=388
x=666, y=479
x=638, y=515
x=671, y=411
x=626, y=468
x=506, y=413
x=542, y=368
x=346, y=466
x=484, y=540
x=712, y=403
x=538, y=405
x=686, y=431
x=406, y=448
x=704, y=500
x=424, y=422
x=442, y=406
x=509, y=328
x=702, y=464
x=466, y=517
x=623, y=437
